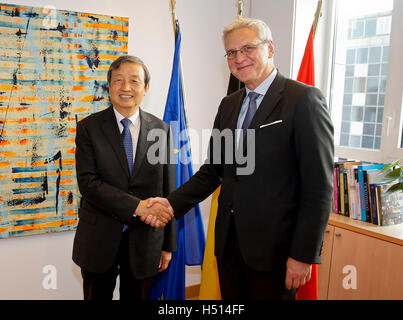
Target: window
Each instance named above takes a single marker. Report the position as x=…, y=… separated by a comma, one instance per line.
x=367, y=79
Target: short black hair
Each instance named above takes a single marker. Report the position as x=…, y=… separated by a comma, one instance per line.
x=129, y=59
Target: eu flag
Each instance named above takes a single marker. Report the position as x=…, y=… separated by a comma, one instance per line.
x=170, y=284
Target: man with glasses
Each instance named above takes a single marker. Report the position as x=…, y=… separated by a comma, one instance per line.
x=270, y=224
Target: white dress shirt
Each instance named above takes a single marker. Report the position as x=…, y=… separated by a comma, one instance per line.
x=262, y=90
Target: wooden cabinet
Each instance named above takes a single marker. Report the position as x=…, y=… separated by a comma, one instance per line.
x=361, y=261
x=324, y=268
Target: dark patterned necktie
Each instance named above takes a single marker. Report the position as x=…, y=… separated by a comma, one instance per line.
x=128, y=143
x=250, y=113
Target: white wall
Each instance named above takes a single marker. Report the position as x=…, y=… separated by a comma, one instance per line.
x=279, y=16
x=206, y=77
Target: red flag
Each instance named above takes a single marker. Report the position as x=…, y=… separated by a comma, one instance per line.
x=306, y=74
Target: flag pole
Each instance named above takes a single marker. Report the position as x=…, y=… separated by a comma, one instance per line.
x=240, y=9
x=175, y=23
x=306, y=74
x=172, y=4
x=318, y=14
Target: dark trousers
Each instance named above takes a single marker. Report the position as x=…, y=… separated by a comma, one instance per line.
x=100, y=286
x=239, y=281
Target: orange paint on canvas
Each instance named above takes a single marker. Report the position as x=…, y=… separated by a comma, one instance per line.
x=9, y=87
x=108, y=57
x=64, y=182
x=87, y=99
x=79, y=67
x=85, y=78
x=19, y=99
x=62, y=173
x=123, y=19
x=47, y=119
x=70, y=212
x=118, y=38
x=45, y=225
x=4, y=142
x=8, y=154
x=68, y=162
x=32, y=185
x=82, y=109
x=22, y=142
x=74, y=119
x=5, y=7
x=78, y=88
x=109, y=26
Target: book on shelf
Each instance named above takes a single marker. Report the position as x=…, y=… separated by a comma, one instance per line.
x=360, y=194
x=374, y=205
x=372, y=178
x=342, y=207
x=338, y=197
x=352, y=189
x=363, y=189
x=335, y=192
x=389, y=205
x=341, y=202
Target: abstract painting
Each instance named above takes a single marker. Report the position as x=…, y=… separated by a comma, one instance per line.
x=53, y=66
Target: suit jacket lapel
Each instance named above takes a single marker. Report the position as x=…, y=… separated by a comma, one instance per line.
x=142, y=143
x=112, y=134
x=238, y=100
x=269, y=101
x=237, y=103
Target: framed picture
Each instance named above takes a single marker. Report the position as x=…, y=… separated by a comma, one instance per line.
x=53, y=67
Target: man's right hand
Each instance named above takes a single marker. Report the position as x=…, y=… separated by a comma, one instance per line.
x=154, y=220
x=158, y=211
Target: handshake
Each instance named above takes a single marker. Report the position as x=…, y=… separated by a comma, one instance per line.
x=156, y=212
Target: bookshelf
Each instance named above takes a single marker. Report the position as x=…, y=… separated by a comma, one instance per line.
x=375, y=252
x=392, y=234
x=359, y=192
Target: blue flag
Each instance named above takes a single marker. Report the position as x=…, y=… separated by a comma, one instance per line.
x=170, y=284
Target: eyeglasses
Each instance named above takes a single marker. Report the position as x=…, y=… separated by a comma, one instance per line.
x=245, y=50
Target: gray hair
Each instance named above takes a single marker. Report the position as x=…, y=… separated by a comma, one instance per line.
x=261, y=28
x=129, y=59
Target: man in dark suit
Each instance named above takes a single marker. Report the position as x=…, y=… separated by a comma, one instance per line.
x=114, y=175
x=270, y=222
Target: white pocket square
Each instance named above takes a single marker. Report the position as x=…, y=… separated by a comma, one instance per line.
x=271, y=123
